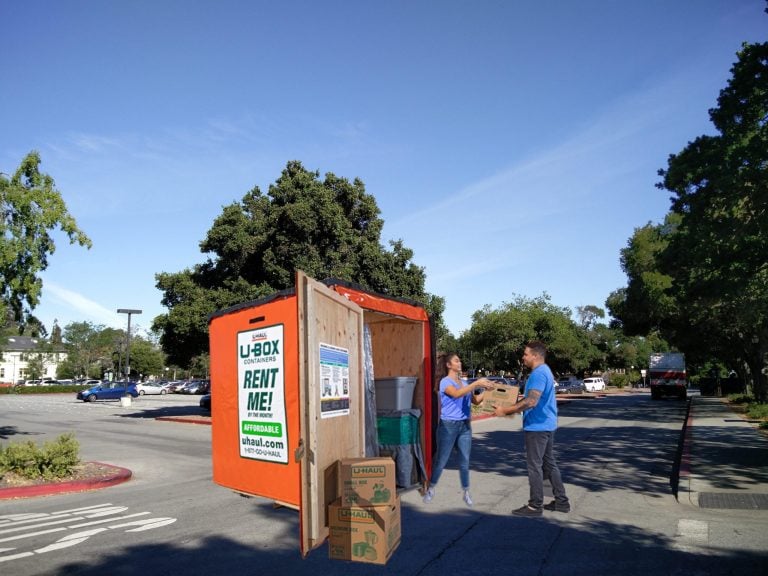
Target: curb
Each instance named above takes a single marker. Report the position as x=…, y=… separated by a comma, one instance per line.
x=189, y=420
x=681, y=481
x=118, y=476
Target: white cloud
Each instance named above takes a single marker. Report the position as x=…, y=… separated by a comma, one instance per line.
x=84, y=306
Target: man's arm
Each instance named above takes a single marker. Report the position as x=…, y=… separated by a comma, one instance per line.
x=531, y=399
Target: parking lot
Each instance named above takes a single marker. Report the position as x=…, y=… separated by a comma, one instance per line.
x=616, y=455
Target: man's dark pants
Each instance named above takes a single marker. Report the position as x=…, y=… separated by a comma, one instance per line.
x=540, y=457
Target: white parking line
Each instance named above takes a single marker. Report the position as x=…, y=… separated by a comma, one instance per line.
x=95, y=522
x=71, y=540
x=75, y=518
x=38, y=525
x=32, y=535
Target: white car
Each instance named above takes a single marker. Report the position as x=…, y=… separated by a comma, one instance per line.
x=151, y=388
x=594, y=384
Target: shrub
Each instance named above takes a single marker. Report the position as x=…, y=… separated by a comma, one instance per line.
x=20, y=459
x=758, y=411
x=620, y=380
x=56, y=459
x=55, y=389
x=753, y=409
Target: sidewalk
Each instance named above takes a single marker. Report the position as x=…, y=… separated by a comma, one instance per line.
x=725, y=459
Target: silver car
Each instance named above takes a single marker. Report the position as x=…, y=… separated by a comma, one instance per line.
x=151, y=388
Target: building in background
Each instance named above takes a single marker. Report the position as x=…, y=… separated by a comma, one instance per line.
x=19, y=352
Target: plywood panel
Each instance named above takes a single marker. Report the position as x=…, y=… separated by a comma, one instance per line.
x=329, y=319
x=397, y=348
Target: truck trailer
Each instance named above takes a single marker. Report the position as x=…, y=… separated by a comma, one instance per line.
x=666, y=371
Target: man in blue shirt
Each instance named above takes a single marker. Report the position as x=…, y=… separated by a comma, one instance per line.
x=539, y=409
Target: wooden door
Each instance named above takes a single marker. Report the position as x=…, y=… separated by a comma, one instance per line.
x=331, y=399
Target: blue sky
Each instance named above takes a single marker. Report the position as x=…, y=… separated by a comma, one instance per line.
x=513, y=145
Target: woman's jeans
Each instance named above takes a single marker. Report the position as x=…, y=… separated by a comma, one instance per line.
x=452, y=433
x=540, y=457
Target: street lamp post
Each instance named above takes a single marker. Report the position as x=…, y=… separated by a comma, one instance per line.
x=128, y=343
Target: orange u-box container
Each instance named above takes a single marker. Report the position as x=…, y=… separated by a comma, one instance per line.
x=288, y=389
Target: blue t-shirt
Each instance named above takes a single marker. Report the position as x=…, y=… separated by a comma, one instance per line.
x=543, y=417
x=453, y=408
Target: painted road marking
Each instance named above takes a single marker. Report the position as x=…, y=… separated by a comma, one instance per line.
x=28, y=527
x=95, y=522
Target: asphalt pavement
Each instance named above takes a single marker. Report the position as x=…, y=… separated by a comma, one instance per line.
x=725, y=459
x=717, y=523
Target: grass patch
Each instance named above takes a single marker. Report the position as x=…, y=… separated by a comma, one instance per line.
x=753, y=409
x=740, y=398
x=757, y=411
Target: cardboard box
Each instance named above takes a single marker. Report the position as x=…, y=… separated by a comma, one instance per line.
x=367, y=481
x=500, y=395
x=363, y=533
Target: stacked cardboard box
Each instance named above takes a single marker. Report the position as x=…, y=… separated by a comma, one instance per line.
x=364, y=523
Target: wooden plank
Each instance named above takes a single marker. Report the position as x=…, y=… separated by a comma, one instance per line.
x=398, y=350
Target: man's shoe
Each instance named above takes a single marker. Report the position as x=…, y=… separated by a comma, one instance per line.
x=527, y=511
x=555, y=507
x=428, y=495
x=468, y=499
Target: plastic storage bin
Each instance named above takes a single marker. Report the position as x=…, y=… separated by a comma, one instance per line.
x=394, y=393
x=397, y=429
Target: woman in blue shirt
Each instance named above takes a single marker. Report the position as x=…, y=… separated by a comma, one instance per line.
x=455, y=422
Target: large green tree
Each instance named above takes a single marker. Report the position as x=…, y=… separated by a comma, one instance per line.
x=31, y=209
x=498, y=336
x=701, y=278
x=645, y=304
x=93, y=350
x=326, y=227
x=718, y=257
x=89, y=350
x=146, y=359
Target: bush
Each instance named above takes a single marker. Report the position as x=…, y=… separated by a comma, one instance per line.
x=56, y=388
x=56, y=459
x=758, y=411
x=753, y=409
x=740, y=398
x=620, y=380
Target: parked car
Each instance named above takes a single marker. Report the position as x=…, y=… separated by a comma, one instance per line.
x=569, y=386
x=205, y=401
x=195, y=387
x=594, y=384
x=151, y=388
x=108, y=391
x=176, y=386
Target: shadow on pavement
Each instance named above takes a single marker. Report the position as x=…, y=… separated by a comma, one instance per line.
x=7, y=431
x=435, y=544
x=628, y=456
x=167, y=411
x=745, y=465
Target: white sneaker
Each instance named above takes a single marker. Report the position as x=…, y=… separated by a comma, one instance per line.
x=468, y=499
x=428, y=495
